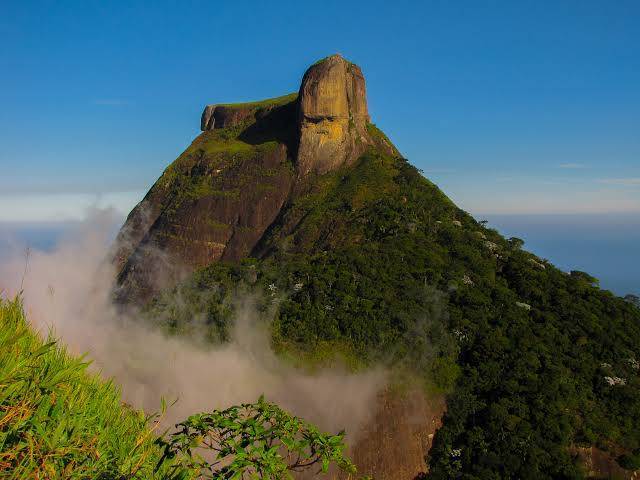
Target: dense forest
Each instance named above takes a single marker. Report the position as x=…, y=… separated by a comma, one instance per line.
x=373, y=263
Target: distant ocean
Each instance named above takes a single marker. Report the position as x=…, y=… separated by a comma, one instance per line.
x=37, y=236
x=606, y=246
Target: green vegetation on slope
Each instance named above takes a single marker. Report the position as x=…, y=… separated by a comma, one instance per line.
x=197, y=172
x=549, y=363
x=220, y=162
x=373, y=259
x=59, y=422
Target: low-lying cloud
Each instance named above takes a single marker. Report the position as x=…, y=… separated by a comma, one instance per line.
x=68, y=289
x=572, y=166
x=625, y=182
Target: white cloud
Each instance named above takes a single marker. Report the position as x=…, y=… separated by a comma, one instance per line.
x=534, y=195
x=625, y=182
x=573, y=166
x=63, y=206
x=534, y=204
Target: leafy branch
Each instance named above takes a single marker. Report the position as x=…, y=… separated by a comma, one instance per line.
x=251, y=441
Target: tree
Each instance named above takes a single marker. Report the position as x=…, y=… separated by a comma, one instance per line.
x=585, y=277
x=516, y=243
x=251, y=441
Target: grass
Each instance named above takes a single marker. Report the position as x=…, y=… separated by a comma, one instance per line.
x=58, y=421
x=381, y=139
x=269, y=102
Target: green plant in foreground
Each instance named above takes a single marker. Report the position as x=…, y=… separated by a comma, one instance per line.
x=57, y=421
x=252, y=441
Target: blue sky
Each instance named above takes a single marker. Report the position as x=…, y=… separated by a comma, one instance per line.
x=511, y=107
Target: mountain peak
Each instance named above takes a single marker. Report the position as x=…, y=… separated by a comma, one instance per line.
x=219, y=198
x=332, y=120
x=333, y=116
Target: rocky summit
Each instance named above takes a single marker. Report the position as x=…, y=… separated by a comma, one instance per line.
x=216, y=201
x=333, y=116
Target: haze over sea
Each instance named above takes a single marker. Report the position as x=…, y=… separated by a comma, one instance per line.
x=606, y=246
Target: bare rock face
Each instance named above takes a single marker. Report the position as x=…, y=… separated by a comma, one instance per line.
x=333, y=116
x=395, y=444
x=332, y=121
x=601, y=464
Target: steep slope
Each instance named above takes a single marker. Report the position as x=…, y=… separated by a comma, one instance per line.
x=364, y=258
x=214, y=202
x=57, y=421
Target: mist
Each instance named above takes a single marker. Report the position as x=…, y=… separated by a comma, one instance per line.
x=68, y=290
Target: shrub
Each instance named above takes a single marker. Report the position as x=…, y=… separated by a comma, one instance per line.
x=257, y=440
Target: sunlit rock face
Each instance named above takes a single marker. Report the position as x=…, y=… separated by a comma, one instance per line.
x=333, y=116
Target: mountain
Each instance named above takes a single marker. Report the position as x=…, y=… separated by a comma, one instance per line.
x=524, y=370
x=217, y=200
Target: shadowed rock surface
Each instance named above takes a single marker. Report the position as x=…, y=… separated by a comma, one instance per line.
x=214, y=202
x=231, y=115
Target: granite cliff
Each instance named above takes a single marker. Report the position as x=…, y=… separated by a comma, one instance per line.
x=216, y=201
x=333, y=116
